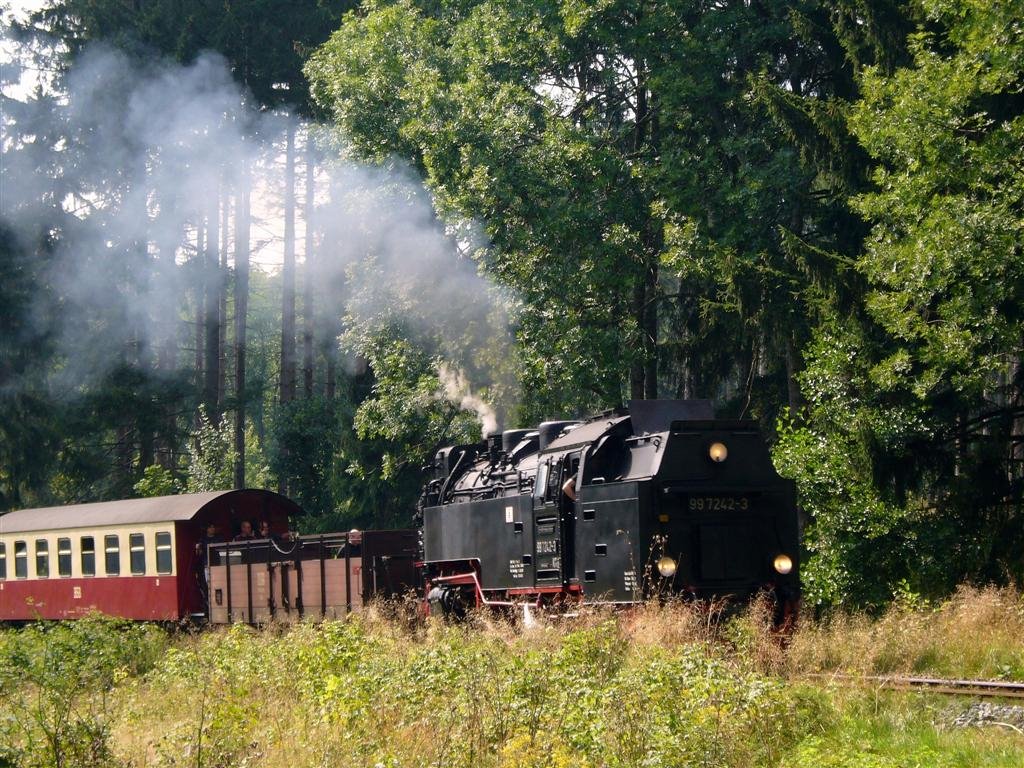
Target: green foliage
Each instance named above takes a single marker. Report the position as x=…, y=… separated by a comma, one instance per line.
x=157, y=481
x=579, y=134
x=257, y=467
x=904, y=457
x=262, y=58
x=391, y=429
x=27, y=429
x=54, y=685
x=859, y=541
x=588, y=697
x=302, y=445
x=612, y=690
x=211, y=456
x=948, y=135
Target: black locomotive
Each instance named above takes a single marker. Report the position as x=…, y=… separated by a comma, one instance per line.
x=660, y=499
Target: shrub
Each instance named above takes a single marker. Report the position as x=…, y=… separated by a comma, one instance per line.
x=55, y=680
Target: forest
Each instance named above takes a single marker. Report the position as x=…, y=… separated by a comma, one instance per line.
x=301, y=245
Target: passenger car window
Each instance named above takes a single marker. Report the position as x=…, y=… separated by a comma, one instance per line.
x=42, y=559
x=137, y=553
x=88, y=556
x=163, y=552
x=3, y=560
x=112, y=555
x=20, y=560
x=63, y=557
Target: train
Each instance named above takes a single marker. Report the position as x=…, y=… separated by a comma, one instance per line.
x=658, y=500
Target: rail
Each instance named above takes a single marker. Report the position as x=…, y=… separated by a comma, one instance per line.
x=949, y=687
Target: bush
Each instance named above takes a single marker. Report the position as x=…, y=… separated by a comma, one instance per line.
x=55, y=680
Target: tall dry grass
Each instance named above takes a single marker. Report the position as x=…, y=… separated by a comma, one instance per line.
x=977, y=633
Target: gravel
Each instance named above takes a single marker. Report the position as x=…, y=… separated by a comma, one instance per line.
x=982, y=714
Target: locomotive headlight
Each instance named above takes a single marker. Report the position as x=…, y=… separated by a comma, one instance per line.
x=718, y=452
x=666, y=567
x=783, y=564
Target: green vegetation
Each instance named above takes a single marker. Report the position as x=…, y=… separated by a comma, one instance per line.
x=55, y=681
x=659, y=686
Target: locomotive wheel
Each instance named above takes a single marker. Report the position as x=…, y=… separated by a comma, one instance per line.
x=449, y=602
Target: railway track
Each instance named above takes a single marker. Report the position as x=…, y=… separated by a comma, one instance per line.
x=978, y=688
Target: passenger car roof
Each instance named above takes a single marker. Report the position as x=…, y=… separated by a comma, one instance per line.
x=157, y=509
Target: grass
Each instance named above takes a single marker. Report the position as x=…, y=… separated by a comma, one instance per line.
x=977, y=633
x=660, y=686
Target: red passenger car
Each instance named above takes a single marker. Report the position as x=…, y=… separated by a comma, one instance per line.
x=136, y=559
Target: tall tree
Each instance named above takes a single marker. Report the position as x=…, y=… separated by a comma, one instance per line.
x=309, y=268
x=242, y=235
x=213, y=285
x=248, y=35
x=642, y=195
x=288, y=360
x=907, y=455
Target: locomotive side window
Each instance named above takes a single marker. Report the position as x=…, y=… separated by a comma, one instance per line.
x=541, y=484
x=112, y=554
x=88, y=556
x=20, y=560
x=42, y=559
x=553, y=485
x=63, y=557
x=3, y=560
x=137, y=553
x=163, y=552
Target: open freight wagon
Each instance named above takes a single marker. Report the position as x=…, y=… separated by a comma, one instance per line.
x=321, y=576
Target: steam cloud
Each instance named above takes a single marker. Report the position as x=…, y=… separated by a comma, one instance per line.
x=119, y=172
x=456, y=389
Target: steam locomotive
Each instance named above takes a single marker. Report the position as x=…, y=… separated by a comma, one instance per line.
x=659, y=499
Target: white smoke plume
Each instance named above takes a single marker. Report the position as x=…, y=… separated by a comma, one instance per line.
x=456, y=389
x=119, y=171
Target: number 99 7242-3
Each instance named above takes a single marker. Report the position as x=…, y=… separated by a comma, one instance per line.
x=719, y=503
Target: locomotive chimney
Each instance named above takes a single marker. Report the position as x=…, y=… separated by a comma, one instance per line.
x=494, y=447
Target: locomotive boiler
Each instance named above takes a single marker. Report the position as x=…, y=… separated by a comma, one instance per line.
x=658, y=499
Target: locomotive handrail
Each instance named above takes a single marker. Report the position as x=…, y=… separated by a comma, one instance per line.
x=479, y=591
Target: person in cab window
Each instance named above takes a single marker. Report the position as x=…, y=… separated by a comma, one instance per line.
x=245, y=532
x=569, y=488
